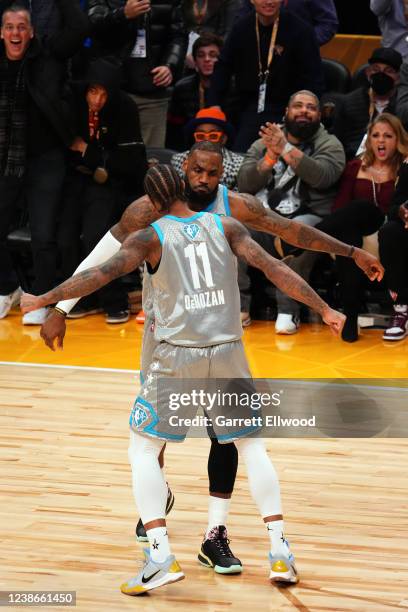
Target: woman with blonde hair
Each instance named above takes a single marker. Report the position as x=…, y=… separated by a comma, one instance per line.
x=362, y=203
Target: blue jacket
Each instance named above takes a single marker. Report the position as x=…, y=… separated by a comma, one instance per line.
x=320, y=14
x=296, y=63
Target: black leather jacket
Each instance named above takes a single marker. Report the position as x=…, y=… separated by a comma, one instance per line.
x=115, y=35
x=46, y=72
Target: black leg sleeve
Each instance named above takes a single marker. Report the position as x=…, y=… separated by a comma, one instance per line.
x=222, y=467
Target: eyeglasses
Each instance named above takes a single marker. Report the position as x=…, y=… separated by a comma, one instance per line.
x=211, y=136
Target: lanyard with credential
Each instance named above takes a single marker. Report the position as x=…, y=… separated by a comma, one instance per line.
x=263, y=75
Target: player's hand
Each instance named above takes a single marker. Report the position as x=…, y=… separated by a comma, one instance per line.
x=30, y=302
x=162, y=76
x=52, y=329
x=135, y=8
x=368, y=264
x=334, y=319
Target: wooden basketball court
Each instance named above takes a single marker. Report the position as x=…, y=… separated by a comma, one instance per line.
x=67, y=514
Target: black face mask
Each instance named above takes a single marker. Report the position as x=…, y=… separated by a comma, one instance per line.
x=381, y=83
x=303, y=130
x=199, y=201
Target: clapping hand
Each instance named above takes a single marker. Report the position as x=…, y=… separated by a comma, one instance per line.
x=273, y=138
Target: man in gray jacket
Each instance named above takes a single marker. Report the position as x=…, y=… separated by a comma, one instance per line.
x=393, y=21
x=295, y=168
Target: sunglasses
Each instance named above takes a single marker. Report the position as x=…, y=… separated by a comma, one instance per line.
x=211, y=136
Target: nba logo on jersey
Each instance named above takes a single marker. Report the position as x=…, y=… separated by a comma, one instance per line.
x=192, y=230
x=139, y=416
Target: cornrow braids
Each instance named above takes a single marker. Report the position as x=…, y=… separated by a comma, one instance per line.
x=163, y=185
x=209, y=147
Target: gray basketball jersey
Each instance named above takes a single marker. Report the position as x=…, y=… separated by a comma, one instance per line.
x=196, y=299
x=220, y=206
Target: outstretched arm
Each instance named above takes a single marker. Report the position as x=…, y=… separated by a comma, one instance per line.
x=138, y=215
x=279, y=273
x=134, y=251
x=249, y=210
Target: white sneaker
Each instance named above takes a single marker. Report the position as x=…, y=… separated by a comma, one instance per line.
x=283, y=568
x=35, y=317
x=8, y=301
x=286, y=323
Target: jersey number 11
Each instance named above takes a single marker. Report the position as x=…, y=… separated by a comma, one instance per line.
x=201, y=251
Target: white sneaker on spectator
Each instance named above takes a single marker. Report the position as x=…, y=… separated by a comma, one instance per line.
x=8, y=301
x=35, y=317
x=286, y=323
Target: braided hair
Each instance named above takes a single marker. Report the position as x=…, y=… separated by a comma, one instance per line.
x=163, y=185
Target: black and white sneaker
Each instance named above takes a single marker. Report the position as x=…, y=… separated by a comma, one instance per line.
x=216, y=553
x=119, y=316
x=141, y=531
x=78, y=312
x=398, y=327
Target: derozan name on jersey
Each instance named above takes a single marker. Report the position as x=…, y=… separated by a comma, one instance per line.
x=206, y=299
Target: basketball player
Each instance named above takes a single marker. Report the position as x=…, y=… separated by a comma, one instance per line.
x=204, y=169
x=208, y=345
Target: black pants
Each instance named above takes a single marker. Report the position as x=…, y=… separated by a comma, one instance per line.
x=393, y=241
x=41, y=188
x=250, y=121
x=350, y=224
x=89, y=210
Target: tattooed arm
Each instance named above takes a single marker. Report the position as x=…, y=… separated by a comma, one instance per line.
x=249, y=210
x=278, y=273
x=139, y=246
x=138, y=215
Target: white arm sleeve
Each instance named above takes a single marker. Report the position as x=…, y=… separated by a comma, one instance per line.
x=104, y=250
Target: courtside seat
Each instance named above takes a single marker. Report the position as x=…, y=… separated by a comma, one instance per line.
x=359, y=78
x=337, y=76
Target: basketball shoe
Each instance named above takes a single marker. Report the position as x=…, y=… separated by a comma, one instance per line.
x=141, y=531
x=283, y=568
x=216, y=553
x=153, y=575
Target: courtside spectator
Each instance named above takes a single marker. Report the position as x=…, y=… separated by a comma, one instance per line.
x=190, y=93
x=298, y=166
x=392, y=18
x=107, y=169
x=320, y=14
x=211, y=124
x=271, y=53
x=150, y=40
x=357, y=109
x=35, y=127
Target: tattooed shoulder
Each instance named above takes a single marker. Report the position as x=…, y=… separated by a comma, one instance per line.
x=144, y=236
x=138, y=215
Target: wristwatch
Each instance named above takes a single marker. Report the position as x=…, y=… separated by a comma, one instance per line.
x=287, y=148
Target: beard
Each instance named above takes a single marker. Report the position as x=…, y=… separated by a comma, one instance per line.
x=303, y=130
x=199, y=201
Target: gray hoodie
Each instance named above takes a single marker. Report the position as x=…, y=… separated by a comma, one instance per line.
x=319, y=171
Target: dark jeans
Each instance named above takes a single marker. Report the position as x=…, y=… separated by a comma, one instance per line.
x=89, y=210
x=350, y=224
x=41, y=187
x=393, y=242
